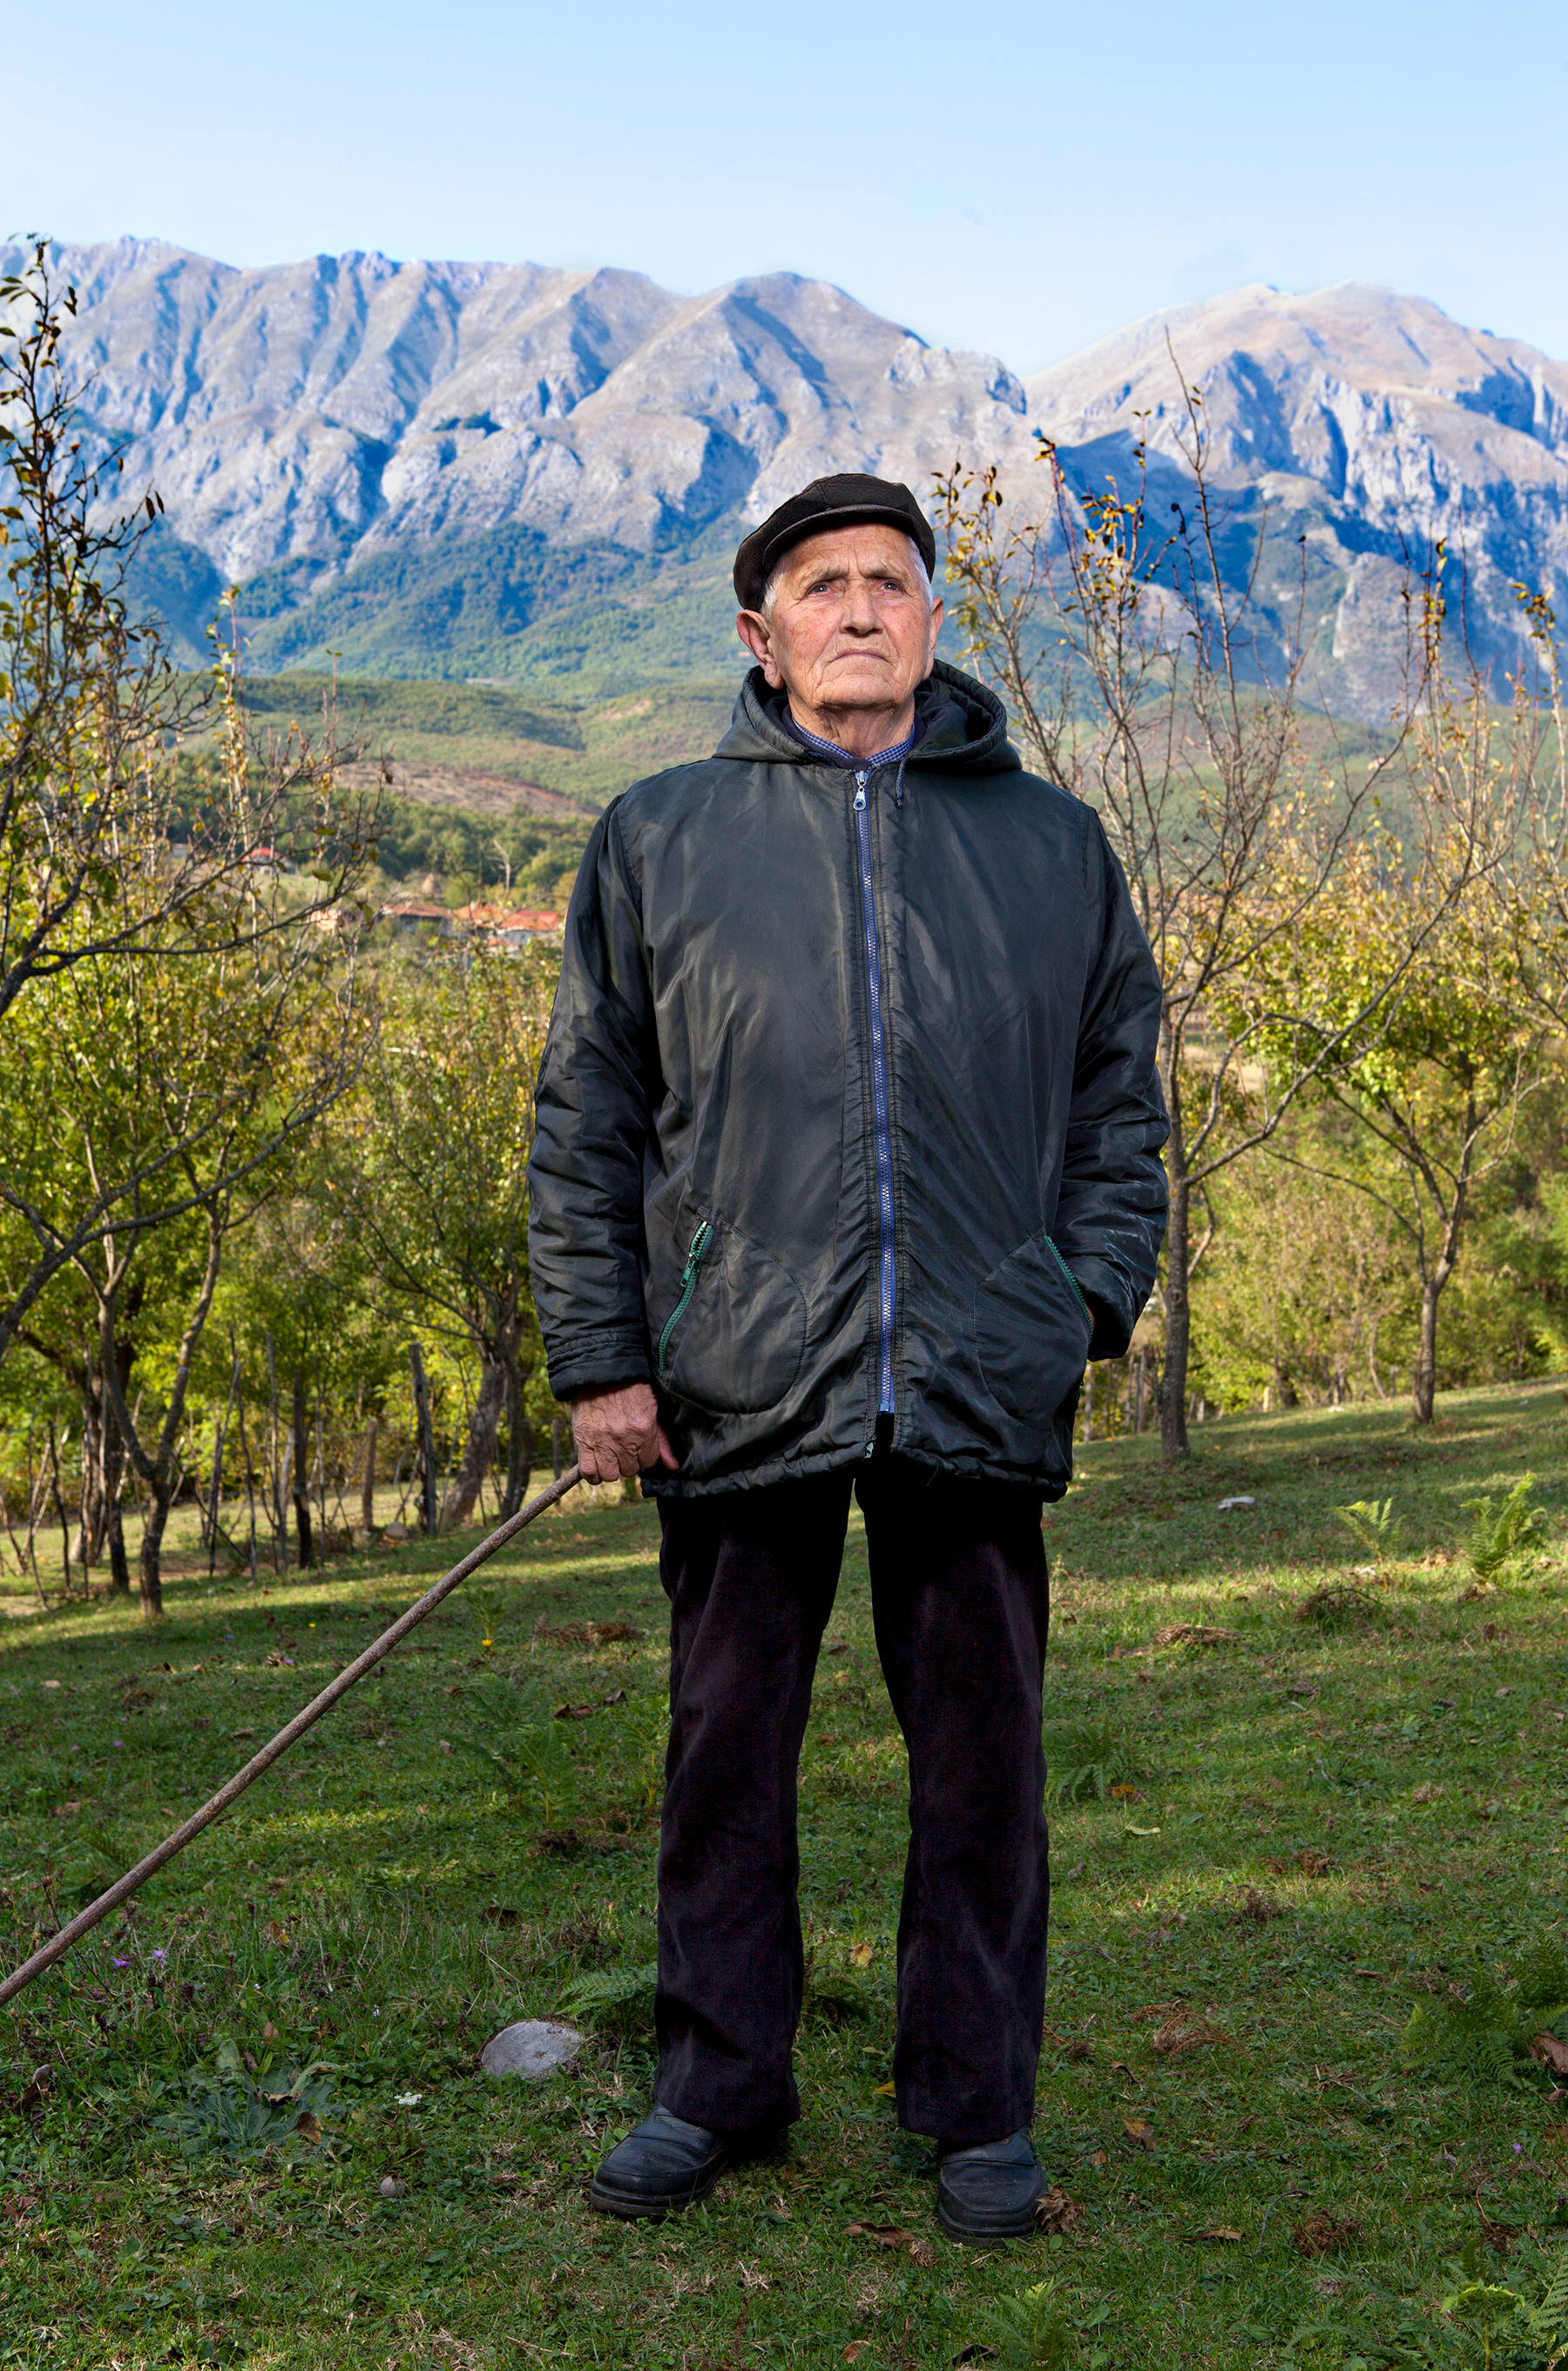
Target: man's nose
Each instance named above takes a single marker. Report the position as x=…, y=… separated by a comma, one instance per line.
x=859, y=613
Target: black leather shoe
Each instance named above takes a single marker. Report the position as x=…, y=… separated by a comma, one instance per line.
x=992, y=2191
x=663, y=2168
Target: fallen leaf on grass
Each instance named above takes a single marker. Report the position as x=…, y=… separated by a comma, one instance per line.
x=1097, y=2157
x=308, y=2128
x=1190, y=2239
x=1428, y=1794
x=884, y=2091
x=857, y=2348
x=574, y=1712
x=1321, y=2231
x=885, y=2234
x=1124, y=1794
x=1057, y=2212
x=860, y=1955
x=1140, y=2133
x=1547, y=2051
x=1257, y=1906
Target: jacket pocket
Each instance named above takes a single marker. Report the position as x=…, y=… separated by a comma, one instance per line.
x=733, y=1335
x=1031, y=1334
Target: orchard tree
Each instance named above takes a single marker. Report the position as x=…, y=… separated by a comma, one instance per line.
x=199, y=1078
x=1440, y=1078
x=103, y=861
x=1138, y=679
x=437, y=1182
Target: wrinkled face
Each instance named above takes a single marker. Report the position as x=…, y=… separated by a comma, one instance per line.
x=850, y=622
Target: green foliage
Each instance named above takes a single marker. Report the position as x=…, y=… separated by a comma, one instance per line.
x=1502, y=2324
x=508, y=603
x=616, y=2000
x=1030, y=2331
x=1370, y=1522
x=237, y=2114
x=1507, y=1539
x=530, y=1758
x=1483, y=2036
x=1083, y=1759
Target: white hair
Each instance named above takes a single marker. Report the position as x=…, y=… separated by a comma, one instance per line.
x=771, y=589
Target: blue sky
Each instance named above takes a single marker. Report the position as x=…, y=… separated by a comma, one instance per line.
x=1022, y=179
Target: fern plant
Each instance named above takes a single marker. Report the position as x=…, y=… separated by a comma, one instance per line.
x=1509, y=1539
x=1086, y=1760
x=1370, y=1522
x=1030, y=2332
x=619, y=1999
x=1502, y=2325
x=1485, y=2035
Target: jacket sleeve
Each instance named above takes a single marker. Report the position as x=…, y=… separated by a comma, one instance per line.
x=1111, y=1213
x=598, y=1085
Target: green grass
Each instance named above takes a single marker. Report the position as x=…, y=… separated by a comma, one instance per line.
x=1327, y=1819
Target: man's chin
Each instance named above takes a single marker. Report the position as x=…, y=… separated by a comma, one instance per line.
x=843, y=694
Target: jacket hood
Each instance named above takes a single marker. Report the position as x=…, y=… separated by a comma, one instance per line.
x=966, y=726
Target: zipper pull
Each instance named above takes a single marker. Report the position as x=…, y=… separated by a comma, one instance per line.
x=860, y=782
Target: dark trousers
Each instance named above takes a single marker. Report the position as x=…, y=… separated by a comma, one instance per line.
x=959, y=1600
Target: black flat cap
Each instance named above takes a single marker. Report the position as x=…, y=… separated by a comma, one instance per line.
x=828, y=503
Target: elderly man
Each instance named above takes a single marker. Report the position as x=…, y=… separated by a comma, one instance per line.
x=847, y=1162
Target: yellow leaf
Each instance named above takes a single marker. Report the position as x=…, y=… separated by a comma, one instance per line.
x=860, y=1956
x=884, y=2091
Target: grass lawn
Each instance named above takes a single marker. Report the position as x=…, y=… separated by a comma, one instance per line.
x=1313, y=1823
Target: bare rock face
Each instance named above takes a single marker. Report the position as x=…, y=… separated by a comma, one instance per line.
x=344, y=403
x=533, y=2048
x=310, y=414
x=1374, y=425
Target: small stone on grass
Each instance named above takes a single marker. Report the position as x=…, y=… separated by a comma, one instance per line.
x=534, y=2048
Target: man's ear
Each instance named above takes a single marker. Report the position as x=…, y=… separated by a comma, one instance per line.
x=755, y=632
x=935, y=630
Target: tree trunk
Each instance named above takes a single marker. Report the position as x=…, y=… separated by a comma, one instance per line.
x=520, y=1444
x=149, y=1571
x=1425, y=1391
x=302, y=1472
x=1289, y=1397
x=428, y=1510
x=1178, y=1320
x=367, y=1481
x=478, y=1450
x=114, y=1485
x=91, y=1528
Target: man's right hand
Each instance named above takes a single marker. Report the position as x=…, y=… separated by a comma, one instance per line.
x=619, y=1432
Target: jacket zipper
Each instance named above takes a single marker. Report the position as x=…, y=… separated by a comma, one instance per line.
x=696, y=1255
x=886, y=1268
x=1077, y=1289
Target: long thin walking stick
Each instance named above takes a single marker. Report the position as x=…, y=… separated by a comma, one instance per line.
x=84, y=1920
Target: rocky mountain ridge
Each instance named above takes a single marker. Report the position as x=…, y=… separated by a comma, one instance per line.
x=431, y=465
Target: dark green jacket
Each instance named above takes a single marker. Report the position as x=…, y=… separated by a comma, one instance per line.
x=802, y=1152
